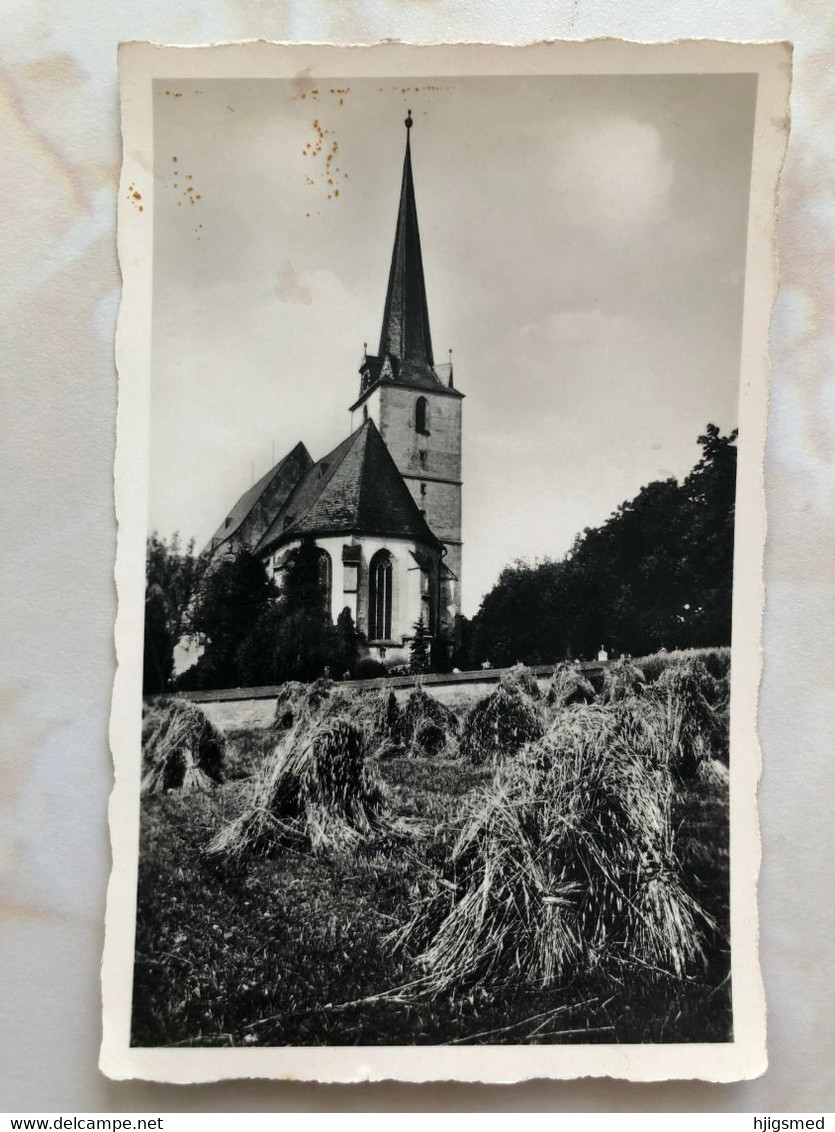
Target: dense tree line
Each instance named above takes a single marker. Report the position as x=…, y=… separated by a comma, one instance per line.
x=657, y=573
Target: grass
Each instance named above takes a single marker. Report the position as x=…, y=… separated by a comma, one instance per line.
x=295, y=947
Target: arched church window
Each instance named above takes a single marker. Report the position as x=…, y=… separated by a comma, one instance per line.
x=379, y=597
x=422, y=416
x=324, y=571
x=365, y=412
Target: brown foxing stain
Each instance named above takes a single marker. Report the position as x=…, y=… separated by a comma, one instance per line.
x=188, y=192
x=324, y=145
x=430, y=88
x=134, y=196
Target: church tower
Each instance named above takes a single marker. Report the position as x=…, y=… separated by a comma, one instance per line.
x=412, y=401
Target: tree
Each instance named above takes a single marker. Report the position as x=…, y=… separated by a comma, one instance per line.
x=258, y=658
x=657, y=572
x=235, y=594
x=307, y=640
x=461, y=641
x=419, y=660
x=347, y=643
x=172, y=579
x=710, y=493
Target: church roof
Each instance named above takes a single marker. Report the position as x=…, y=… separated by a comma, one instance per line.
x=405, y=352
x=355, y=490
x=271, y=490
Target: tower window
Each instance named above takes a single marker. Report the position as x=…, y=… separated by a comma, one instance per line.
x=422, y=455
x=423, y=489
x=422, y=416
x=365, y=412
x=379, y=597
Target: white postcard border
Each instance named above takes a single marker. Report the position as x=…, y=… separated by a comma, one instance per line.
x=140, y=64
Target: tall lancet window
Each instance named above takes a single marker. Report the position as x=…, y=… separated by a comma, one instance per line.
x=422, y=416
x=379, y=597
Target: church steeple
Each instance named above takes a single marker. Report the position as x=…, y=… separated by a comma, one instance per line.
x=405, y=338
x=412, y=401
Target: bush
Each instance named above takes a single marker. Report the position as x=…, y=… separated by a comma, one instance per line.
x=367, y=668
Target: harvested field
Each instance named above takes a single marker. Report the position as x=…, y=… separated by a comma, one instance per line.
x=365, y=888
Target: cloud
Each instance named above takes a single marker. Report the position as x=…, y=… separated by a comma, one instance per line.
x=288, y=289
x=586, y=328
x=613, y=173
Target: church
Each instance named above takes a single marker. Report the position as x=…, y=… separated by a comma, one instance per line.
x=384, y=507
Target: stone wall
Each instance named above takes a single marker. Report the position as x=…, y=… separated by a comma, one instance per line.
x=232, y=708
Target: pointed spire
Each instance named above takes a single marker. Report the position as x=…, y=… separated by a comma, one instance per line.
x=405, y=334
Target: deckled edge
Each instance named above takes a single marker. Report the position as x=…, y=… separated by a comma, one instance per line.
x=117, y=1059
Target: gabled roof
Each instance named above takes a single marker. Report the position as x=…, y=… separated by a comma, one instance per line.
x=355, y=490
x=270, y=492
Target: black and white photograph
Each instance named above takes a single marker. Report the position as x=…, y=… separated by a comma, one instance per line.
x=442, y=389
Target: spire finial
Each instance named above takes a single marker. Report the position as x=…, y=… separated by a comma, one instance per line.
x=408, y=122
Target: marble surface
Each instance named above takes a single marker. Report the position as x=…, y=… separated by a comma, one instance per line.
x=59, y=290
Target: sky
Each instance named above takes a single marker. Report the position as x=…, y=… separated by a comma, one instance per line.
x=584, y=252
